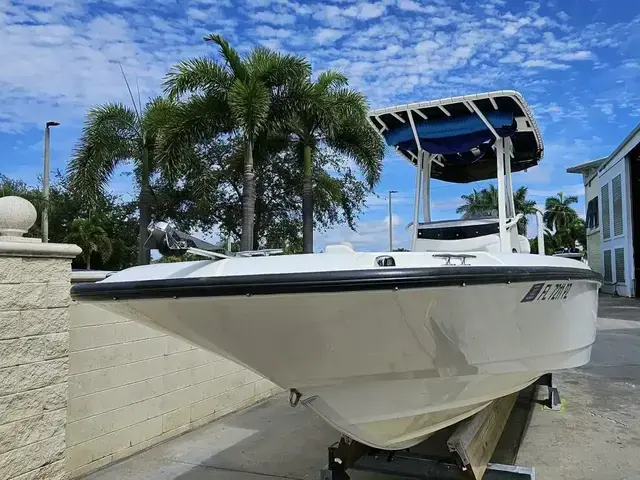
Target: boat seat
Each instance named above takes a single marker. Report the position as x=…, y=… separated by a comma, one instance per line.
x=479, y=234
x=458, y=229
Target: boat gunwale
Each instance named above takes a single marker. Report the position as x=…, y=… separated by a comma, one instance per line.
x=334, y=281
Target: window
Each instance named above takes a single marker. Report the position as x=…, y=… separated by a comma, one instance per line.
x=619, y=253
x=593, y=218
x=616, y=187
x=606, y=220
x=608, y=276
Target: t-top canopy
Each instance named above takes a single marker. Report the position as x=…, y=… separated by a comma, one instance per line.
x=456, y=129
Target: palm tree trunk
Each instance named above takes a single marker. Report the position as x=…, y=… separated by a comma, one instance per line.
x=144, y=205
x=256, y=220
x=256, y=241
x=88, y=259
x=307, y=203
x=248, y=198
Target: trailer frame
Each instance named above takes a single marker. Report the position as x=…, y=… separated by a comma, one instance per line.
x=350, y=455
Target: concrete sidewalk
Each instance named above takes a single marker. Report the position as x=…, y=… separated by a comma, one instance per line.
x=597, y=436
x=269, y=440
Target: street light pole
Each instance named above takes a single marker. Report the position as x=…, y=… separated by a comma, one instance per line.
x=391, y=222
x=45, y=180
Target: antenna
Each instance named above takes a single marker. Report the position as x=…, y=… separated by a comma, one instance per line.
x=139, y=100
x=130, y=92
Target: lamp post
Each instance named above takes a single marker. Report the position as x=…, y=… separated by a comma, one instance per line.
x=45, y=180
x=391, y=222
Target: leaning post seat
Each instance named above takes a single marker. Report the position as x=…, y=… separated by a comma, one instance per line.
x=478, y=234
x=458, y=229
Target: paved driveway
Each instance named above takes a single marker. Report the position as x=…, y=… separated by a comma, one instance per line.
x=598, y=434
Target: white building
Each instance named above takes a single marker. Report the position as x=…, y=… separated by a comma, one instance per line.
x=589, y=173
x=612, y=196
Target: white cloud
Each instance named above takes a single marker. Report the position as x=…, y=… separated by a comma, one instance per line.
x=327, y=35
x=367, y=11
x=562, y=15
x=426, y=46
x=332, y=16
x=269, y=32
x=274, y=18
x=443, y=21
x=337, y=16
x=201, y=14
x=446, y=40
x=553, y=110
x=512, y=28
x=273, y=43
x=607, y=108
x=512, y=57
x=217, y=3
x=409, y=5
x=545, y=64
x=579, y=55
x=58, y=69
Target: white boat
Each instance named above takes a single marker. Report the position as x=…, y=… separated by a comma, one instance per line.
x=572, y=253
x=390, y=347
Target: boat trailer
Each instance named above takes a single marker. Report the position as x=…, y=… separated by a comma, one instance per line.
x=483, y=446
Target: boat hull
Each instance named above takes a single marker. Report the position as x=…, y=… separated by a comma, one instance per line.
x=390, y=366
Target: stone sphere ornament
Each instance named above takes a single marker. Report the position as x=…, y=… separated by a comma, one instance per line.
x=17, y=216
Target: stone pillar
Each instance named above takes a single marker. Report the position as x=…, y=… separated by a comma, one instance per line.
x=34, y=347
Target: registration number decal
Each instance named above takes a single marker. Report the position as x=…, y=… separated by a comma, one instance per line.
x=541, y=292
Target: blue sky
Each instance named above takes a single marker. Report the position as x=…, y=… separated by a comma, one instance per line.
x=575, y=61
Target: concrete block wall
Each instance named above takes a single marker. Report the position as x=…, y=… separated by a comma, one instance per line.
x=34, y=343
x=131, y=387
x=34, y=347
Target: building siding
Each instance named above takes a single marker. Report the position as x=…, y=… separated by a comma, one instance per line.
x=594, y=245
x=615, y=178
x=594, y=252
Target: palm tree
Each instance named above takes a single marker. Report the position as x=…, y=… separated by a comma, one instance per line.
x=578, y=231
x=568, y=235
x=91, y=237
x=525, y=207
x=327, y=112
x=471, y=206
x=114, y=134
x=239, y=95
x=559, y=214
x=551, y=243
x=479, y=204
x=485, y=203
